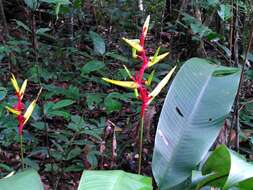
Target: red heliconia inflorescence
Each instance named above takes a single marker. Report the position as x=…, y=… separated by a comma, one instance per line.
x=19, y=108
x=139, y=82
x=143, y=92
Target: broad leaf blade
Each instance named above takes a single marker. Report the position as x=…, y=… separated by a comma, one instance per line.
x=114, y=180
x=62, y=104
x=98, y=42
x=225, y=12
x=91, y=66
x=192, y=115
x=25, y=180
x=236, y=170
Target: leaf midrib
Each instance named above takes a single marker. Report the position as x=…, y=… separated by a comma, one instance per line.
x=120, y=175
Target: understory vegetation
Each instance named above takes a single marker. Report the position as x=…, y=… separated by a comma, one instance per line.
x=126, y=95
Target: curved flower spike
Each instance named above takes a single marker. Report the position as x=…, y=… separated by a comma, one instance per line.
x=125, y=84
x=134, y=44
x=161, y=84
x=156, y=59
x=145, y=26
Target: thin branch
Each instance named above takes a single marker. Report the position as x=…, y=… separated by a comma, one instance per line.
x=235, y=119
x=4, y=18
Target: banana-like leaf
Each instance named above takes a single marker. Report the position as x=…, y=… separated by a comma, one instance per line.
x=199, y=99
x=227, y=169
x=114, y=180
x=28, y=179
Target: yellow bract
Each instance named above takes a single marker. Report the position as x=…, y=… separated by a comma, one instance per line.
x=31, y=107
x=134, y=53
x=12, y=110
x=134, y=44
x=29, y=111
x=14, y=83
x=145, y=26
x=16, y=87
x=136, y=93
x=156, y=59
x=22, y=90
x=161, y=84
x=126, y=84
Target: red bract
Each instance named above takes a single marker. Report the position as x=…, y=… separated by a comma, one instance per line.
x=20, y=118
x=19, y=106
x=142, y=90
x=21, y=121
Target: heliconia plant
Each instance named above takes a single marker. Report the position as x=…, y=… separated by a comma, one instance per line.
x=139, y=83
x=22, y=114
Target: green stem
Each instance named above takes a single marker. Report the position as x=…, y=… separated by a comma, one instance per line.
x=22, y=151
x=141, y=143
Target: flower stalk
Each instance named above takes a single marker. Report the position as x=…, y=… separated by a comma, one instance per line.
x=22, y=152
x=141, y=144
x=139, y=83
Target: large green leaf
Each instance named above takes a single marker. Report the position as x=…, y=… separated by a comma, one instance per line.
x=98, y=42
x=91, y=66
x=62, y=104
x=197, y=102
x=25, y=180
x=225, y=12
x=226, y=169
x=114, y=180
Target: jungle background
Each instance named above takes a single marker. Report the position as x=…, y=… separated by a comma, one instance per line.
x=67, y=46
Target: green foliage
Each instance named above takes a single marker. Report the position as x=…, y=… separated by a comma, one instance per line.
x=191, y=118
x=225, y=169
x=246, y=115
x=112, y=104
x=32, y=4
x=64, y=2
x=225, y=12
x=93, y=100
x=200, y=29
x=56, y=109
x=98, y=42
x=71, y=122
x=28, y=179
x=3, y=93
x=91, y=66
x=114, y=180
